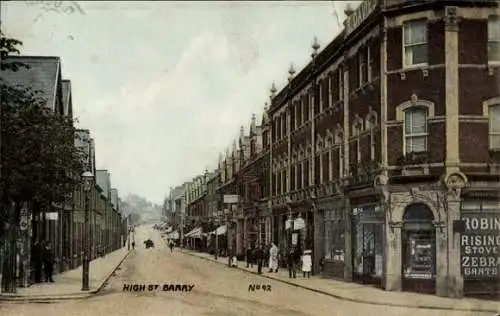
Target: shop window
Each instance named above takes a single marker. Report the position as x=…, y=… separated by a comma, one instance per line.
x=415, y=43
x=494, y=39
x=494, y=127
x=419, y=253
x=415, y=129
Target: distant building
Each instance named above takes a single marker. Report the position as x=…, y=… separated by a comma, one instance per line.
x=114, y=198
x=85, y=144
x=103, y=180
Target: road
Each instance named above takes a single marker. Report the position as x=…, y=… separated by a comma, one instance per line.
x=218, y=291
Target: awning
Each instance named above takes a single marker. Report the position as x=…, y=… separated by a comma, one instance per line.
x=195, y=233
x=221, y=230
x=173, y=235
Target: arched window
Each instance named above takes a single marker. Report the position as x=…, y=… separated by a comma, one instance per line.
x=415, y=129
x=494, y=127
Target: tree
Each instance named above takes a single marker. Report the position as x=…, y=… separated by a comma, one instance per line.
x=39, y=161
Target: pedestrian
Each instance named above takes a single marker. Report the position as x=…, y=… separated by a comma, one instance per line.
x=291, y=260
x=273, y=258
x=37, y=259
x=306, y=263
x=133, y=245
x=250, y=251
x=260, y=258
x=48, y=262
x=171, y=245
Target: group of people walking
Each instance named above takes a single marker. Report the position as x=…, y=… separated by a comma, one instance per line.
x=271, y=254
x=43, y=260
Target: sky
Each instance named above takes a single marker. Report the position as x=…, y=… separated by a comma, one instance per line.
x=164, y=87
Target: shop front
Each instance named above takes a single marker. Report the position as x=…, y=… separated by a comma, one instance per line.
x=480, y=247
x=367, y=233
x=418, y=239
x=333, y=253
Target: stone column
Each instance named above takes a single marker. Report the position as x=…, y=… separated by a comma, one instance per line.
x=393, y=256
x=441, y=259
x=347, y=241
x=452, y=94
x=455, y=278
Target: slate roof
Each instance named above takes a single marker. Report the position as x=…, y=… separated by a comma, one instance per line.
x=66, y=96
x=43, y=75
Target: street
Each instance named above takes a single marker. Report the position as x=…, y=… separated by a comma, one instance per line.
x=217, y=291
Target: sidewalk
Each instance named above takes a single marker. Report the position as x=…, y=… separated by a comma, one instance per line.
x=364, y=293
x=68, y=285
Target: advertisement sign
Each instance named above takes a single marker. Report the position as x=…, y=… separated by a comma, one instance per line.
x=480, y=246
x=231, y=199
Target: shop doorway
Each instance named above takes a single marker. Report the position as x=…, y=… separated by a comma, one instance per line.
x=418, y=250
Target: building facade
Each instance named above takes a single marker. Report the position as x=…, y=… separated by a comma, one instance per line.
x=385, y=147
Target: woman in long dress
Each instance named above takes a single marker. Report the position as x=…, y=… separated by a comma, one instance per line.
x=273, y=258
x=306, y=263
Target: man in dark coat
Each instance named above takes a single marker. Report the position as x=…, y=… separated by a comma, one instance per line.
x=37, y=259
x=250, y=258
x=48, y=262
x=259, y=256
x=291, y=260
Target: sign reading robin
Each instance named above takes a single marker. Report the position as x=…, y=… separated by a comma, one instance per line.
x=480, y=243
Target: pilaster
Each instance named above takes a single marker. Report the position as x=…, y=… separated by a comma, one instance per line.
x=393, y=256
x=452, y=96
x=347, y=241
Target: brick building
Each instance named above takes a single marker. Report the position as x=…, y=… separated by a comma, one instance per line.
x=384, y=148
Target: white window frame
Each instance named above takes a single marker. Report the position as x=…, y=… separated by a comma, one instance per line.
x=409, y=46
x=491, y=133
x=491, y=40
x=406, y=137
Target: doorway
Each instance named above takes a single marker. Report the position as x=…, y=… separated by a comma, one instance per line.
x=418, y=250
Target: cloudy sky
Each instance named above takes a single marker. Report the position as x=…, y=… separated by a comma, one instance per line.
x=165, y=86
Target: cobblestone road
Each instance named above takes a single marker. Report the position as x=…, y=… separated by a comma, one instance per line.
x=218, y=291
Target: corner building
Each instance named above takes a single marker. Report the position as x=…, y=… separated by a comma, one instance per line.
x=385, y=149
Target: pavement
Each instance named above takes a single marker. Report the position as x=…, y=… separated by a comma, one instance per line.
x=364, y=293
x=68, y=285
x=218, y=291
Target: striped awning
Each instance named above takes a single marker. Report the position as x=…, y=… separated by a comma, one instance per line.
x=195, y=233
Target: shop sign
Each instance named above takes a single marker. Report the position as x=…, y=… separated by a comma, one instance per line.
x=480, y=246
x=357, y=17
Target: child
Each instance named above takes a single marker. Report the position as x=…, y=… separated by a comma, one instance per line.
x=306, y=263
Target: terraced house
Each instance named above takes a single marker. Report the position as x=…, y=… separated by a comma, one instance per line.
x=384, y=149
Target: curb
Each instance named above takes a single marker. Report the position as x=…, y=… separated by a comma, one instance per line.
x=53, y=299
x=480, y=310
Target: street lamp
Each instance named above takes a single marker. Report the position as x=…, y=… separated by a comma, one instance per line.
x=87, y=178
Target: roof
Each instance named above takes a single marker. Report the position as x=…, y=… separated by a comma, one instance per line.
x=43, y=75
x=66, y=96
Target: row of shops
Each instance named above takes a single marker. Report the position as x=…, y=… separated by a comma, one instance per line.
x=410, y=244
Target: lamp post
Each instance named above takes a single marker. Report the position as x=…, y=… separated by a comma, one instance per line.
x=87, y=178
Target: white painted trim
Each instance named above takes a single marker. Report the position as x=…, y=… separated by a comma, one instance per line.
x=400, y=109
x=489, y=103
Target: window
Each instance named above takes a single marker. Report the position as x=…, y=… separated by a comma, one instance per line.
x=494, y=127
x=415, y=129
x=340, y=75
x=415, y=43
x=494, y=39
x=363, y=71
